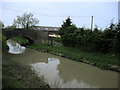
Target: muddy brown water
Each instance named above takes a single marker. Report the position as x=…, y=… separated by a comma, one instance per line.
x=59, y=72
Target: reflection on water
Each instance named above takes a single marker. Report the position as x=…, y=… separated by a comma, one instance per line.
x=14, y=47
x=64, y=73
x=51, y=74
x=48, y=70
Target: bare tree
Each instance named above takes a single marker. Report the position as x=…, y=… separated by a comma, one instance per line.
x=25, y=21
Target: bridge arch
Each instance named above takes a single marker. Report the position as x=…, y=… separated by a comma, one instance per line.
x=31, y=41
x=34, y=36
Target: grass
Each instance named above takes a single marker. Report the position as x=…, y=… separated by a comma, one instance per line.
x=15, y=75
x=4, y=45
x=20, y=40
x=104, y=61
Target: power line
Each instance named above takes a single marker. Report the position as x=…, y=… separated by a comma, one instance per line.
x=42, y=14
x=102, y=19
x=8, y=9
x=59, y=16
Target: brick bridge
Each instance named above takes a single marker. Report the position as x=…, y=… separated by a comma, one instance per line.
x=34, y=36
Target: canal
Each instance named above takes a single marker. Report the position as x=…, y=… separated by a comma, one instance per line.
x=59, y=72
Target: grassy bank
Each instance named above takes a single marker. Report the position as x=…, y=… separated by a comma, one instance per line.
x=19, y=76
x=4, y=45
x=20, y=40
x=104, y=61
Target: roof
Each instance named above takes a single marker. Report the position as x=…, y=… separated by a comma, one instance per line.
x=47, y=28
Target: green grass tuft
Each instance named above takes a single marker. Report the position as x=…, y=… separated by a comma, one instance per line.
x=20, y=40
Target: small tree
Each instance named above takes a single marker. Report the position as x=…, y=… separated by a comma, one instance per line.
x=65, y=25
x=25, y=21
x=67, y=32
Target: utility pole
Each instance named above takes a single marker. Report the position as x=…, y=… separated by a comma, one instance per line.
x=91, y=23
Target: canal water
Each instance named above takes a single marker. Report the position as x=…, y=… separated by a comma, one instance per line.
x=59, y=72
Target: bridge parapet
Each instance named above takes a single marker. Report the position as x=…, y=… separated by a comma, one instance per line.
x=34, y=35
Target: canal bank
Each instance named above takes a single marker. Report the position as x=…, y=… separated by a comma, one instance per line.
x=103, y=61
x=107, y=61
x=59, y=72
x=16, y=75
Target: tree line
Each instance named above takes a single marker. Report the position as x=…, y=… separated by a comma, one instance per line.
x=105, y=41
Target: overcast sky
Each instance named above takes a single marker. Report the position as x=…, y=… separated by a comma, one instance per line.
x=54, y=13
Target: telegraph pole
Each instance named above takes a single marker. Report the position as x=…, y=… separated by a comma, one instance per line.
x=91, y=23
